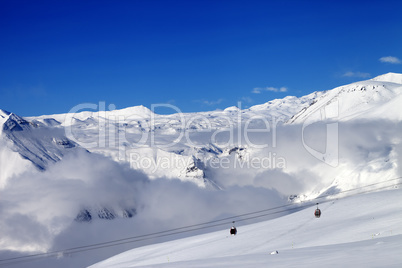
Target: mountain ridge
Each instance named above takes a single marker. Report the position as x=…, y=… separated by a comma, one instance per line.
x=143, y=111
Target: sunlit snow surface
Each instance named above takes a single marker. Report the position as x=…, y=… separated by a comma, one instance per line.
x=363, y=231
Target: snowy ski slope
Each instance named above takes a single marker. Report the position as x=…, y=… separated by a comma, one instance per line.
x=362, y=230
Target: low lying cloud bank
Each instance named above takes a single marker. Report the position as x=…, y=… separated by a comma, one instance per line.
x=39, y=208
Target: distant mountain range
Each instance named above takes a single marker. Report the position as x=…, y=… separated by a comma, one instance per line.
x=185, y=145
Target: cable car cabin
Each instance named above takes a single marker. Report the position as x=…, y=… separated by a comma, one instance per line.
x=317, y=213
x=233, y=231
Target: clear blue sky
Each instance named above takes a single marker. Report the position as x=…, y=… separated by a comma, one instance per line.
x=197, y=55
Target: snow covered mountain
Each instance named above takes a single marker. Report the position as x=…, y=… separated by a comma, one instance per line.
x=32, y=146
x=184, y=145
x=24, y=144
x=377, y=98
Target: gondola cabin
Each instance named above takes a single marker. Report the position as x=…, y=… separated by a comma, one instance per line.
x=317, y=212
x=233, y=231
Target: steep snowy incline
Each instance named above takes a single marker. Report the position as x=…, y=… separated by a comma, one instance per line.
x=24, y=144
x=365, y=228
x=377, y=98
x=11, y=162
x=389, y=77
x=287, y=107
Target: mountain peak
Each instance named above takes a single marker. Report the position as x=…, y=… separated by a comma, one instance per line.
x=389, y=77
x=135, y=110
x=232, y=109
x=4, y=113
x=12, y=122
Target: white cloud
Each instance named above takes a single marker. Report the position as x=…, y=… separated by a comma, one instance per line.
x=356, y=74
x=390, y=59
x=247, y=100
x=210, y=102
x=258, y=90
x=38, y=208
